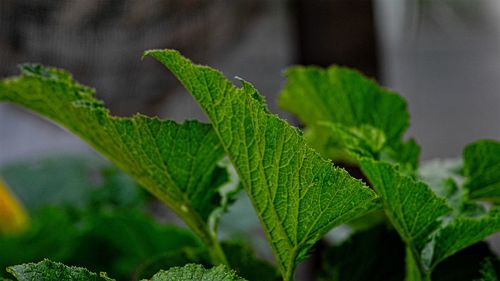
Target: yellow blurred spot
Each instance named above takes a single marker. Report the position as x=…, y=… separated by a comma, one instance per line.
x=13, y=217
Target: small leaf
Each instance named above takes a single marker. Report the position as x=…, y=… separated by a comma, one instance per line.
x=482, y=170
x=298, y=195
x=488, y=270
x=47, y=270
x=194, y=272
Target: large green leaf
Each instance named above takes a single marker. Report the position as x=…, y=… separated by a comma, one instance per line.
x=298, y=195
x=482, y=169
x=177, y=163
x=340, y=107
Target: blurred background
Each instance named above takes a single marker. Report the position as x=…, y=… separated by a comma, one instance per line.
x=442, y=56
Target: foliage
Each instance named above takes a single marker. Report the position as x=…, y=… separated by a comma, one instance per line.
x=298, y=194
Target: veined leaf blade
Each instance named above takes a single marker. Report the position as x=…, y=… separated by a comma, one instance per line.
x=298, y=195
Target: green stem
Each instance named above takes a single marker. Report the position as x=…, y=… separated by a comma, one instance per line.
x=290, y=272
x=200, y=228
x=414, y=269
x=289, y=275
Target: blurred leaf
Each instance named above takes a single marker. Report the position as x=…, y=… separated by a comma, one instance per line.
x=53, y=181
x=119, y=242
x=376, y=254
x=51, y=234
x=490, y=269
x=342, y=109
x=482, y=170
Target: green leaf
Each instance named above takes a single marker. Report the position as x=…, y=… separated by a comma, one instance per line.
x=177, y=163
x=482, y=170
x=373, y=117
x=430, y=227
x=47, y=270
x=194, y=272
x=488, y=271
x=298, y=195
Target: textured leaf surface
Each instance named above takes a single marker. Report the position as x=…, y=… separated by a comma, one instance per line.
x=482, y=169
x=374, y=117
x=53, y=271
x=177, y=163
x=194, y=272
x=430, y=227
x=411, y=206
x=298, y=195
